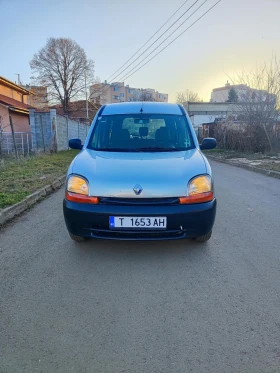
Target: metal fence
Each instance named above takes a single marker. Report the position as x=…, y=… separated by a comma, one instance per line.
x=23, y=143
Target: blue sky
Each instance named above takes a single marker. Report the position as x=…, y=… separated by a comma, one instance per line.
x=235, y=35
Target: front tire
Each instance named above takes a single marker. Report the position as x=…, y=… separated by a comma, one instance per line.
x=77, y=238
x=204, y=238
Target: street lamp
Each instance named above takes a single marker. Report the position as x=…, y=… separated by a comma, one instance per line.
x=86, y=94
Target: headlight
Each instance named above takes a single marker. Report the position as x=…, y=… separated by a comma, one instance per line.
x=77, y=184
x=200, y=189
x=77, y=190
x=200, y=184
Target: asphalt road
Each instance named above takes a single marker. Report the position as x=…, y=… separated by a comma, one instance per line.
x=112, y=307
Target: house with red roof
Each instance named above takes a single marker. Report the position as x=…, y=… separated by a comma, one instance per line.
x=13, y=103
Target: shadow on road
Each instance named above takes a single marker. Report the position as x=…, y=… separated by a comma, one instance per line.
x=100, y=249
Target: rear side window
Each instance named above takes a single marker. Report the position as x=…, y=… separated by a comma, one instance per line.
x=141, y=132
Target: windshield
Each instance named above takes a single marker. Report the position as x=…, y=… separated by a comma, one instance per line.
x=141, y=132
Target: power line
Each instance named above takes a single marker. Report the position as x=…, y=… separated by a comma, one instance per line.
x=122, y=79
x=173, y=40
x=155, y=41
x=149, y=39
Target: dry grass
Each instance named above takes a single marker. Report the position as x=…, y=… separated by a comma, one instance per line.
x=265, y=161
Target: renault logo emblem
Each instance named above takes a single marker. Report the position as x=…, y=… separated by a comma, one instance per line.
x=138, y=189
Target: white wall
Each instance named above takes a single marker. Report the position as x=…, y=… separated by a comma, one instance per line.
x=198, y=120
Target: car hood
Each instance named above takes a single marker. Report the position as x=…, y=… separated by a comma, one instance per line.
x=160, y=174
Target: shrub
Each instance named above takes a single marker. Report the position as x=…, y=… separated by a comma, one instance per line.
x=240, y=137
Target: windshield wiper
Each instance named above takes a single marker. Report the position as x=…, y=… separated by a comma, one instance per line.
x=115, y=150
x=160, y=149
x=144, y=149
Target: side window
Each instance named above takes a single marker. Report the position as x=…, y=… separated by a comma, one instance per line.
x=182, y=132
x=102, y=133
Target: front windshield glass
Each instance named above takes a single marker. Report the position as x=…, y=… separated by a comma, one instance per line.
x=141, y=132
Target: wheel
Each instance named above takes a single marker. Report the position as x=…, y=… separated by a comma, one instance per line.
x=77, y=238
x=204, y=238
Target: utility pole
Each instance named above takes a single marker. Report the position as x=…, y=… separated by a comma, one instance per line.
x=86, y=94
x=13, y=135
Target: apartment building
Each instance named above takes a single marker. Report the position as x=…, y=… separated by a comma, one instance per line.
x=39, y=96
x=243, y=91
x=105, y=93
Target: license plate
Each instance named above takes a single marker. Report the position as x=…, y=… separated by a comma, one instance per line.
x=158, y=222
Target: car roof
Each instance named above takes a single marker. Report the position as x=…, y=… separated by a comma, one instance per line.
x=147, y=107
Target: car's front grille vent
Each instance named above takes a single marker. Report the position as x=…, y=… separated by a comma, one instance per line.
x=139, y=201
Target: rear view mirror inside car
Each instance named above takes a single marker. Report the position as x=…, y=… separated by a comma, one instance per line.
x=141, y=120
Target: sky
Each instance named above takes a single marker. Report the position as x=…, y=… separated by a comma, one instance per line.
x=234, y=36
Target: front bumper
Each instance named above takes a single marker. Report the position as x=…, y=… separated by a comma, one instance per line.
x=183, y=221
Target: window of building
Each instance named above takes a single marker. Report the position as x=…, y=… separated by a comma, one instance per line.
x=116, y=97
x=121, y=94
x=116, y=89
x=130, y=91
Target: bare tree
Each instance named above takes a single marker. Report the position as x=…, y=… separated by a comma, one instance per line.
x=187, y=96
x=142, y=96
x=258, y=103
x=62, y=66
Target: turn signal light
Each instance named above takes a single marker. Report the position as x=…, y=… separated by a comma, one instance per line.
x=197, y=198
x=80, y=198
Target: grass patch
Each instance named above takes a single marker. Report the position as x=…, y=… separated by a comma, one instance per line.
x=20, y=178
x=229, y=154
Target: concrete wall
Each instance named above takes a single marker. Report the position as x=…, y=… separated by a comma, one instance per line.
x=61, y=132
x=198, y=120
x=41, y=128
x=52, y=131
x=211, y=108
x=207, y=112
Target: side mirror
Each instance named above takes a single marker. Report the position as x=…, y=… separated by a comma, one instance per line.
x=208, y=143
x=75, y=144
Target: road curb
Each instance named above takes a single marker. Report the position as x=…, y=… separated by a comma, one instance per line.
x=11, y=212
x=270, y=173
